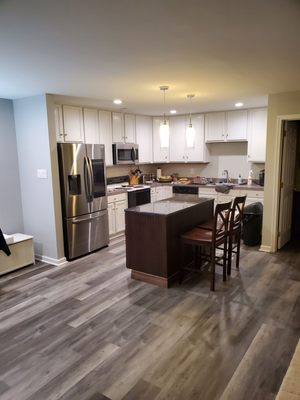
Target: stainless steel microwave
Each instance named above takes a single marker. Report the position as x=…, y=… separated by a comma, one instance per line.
x=125, y=153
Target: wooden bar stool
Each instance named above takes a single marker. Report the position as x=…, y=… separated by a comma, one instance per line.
x=215, y=238
x=234, y=231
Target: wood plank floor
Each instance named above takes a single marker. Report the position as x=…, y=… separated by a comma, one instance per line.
x=86, y=331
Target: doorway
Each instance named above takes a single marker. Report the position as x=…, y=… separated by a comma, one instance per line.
x=289, y=193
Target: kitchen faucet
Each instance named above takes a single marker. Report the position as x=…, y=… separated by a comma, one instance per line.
x=225, y=172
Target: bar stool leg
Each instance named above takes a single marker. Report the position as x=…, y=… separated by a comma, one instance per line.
x=238, y=249
x=229, y=255
x=213, y=266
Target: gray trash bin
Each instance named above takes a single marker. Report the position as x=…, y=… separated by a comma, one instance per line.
x=252, y=224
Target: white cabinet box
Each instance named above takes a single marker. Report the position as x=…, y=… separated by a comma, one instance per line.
x=161, y=193
x=144, y=138
x=257, y=135
x=129, y=128
x=230, y=126
x=252, y=195
x=91, y=125
x=179, y=152
x=160, y=154
x=105, y=133
x=22, y=254
x=116, y=215
x=73, y=124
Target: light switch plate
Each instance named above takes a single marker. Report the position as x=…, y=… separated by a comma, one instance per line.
x=42, y=174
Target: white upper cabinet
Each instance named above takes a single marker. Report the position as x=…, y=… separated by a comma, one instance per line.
x=129, y=125
x=199, y=152
x=105, y=131
x=177, y=139
x=160, y=154
x=144, y=138
x=236, y=126
x=230, y=126
x=73, y=124
x=215, y=127
x=257, y=135
x=118, y=127
x=58, y=121
x=179, y=152
x=91, y=125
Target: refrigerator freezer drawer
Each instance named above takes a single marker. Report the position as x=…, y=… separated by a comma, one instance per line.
x=86, y=233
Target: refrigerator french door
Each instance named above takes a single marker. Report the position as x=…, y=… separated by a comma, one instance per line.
x=84, y=200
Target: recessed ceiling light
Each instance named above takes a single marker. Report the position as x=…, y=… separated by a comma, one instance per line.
x=239, y=104
x=173, y=111
x=118, y=101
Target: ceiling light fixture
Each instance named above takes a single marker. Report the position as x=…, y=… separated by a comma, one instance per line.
x=190, y=131
x=118, y=101
x=164, y=131
x=173, y=111
x=239, y=104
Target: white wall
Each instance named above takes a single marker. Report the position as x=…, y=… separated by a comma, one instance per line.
x=11, y=218
x=37, y=194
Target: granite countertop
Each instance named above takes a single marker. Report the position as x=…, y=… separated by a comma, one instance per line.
x=254, y=186
x=167, y=207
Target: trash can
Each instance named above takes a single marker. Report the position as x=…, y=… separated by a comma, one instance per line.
x=252, y=224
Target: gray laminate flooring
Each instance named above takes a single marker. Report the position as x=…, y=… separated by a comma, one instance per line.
x=86, y=331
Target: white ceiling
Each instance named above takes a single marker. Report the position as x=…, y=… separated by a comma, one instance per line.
x=222, y=50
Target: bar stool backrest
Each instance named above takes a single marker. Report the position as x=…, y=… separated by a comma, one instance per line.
x=237, y=212
x=221, y=221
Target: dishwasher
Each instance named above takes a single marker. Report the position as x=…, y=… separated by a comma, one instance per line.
x=185, y=192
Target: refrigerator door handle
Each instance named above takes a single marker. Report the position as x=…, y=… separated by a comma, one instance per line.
x=132, y=154
x=91, y=177
x=87, y=179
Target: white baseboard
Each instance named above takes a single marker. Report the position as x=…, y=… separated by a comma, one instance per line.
x=58, y=262
x=266, y=249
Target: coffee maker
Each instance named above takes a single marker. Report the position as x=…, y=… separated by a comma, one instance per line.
x=261, y=177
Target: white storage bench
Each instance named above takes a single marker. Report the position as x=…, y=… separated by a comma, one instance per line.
x=22, y=253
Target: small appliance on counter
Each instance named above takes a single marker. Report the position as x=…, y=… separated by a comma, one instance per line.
x=261, y=178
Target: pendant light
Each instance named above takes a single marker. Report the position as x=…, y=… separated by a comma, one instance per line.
x=164, y=130
x=190, y=131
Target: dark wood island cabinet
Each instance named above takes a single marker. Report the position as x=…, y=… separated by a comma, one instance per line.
x=153, y=237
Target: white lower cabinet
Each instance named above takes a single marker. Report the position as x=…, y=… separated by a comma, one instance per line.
x=116, y=215
x=161, y=193
x=252, y=195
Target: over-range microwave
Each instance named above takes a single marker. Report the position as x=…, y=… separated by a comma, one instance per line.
x=125, y=153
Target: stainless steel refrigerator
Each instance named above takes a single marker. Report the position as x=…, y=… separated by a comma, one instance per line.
x=84, y=200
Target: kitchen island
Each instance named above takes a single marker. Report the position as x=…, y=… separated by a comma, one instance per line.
x=153, y=236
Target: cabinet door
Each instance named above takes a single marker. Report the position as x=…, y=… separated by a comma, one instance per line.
x=257, y=135
x=153, y=195
x=199, y=152
x=160, y=154
x=73, y=124
x=144, y=138
x=58, y=122
x=215, y=127
x=91, y=126
x=117, y=127
x=129, y=124
x=167, y=192
x=177, y=139
x=105, y=130
x=236, y=126
x=120, y=215
x=111, y=218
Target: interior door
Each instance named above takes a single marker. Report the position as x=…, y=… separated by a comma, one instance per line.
x=287, y=182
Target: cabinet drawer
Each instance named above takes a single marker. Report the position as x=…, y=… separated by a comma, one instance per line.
x=204, y=191
x=116, y=197
x=253, y=193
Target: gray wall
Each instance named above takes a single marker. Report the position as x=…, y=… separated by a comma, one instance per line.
x=34, y=153
x=11, y=218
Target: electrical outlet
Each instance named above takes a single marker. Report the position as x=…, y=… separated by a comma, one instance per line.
x=42, y=174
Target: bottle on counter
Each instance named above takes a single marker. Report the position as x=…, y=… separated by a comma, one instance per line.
x=250, y=176
x=240, y=180
x=158, y=173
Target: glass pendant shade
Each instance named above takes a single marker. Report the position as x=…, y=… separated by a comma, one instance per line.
x=190, y=136
x=164, y=133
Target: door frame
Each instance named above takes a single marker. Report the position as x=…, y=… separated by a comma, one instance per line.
x=277, y=176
